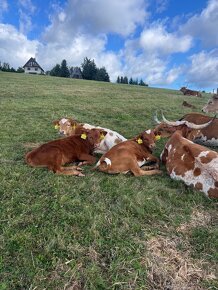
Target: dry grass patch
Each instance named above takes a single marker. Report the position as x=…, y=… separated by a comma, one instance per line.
x=173, y=269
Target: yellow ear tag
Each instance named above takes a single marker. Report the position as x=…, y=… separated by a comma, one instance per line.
x=84, y=136
x=157, y=137
x=74, y=126
x=139, y=141
x=101, y=136
x=57, y=126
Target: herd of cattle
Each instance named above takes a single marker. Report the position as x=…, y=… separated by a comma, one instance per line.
x=183, y=155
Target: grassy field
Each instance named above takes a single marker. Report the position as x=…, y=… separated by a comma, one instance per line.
x=100, y=231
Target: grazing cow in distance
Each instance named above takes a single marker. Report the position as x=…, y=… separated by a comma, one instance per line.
x=190, y=92
x=188, y=105
x=212, y=105
x=57, y=153
x=191, y=163
x=130, y=155
x=68, y=127
x=209, y=135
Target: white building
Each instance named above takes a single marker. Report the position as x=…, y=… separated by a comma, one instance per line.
x=32, y=67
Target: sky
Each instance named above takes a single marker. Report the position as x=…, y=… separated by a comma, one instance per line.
x=166, y=43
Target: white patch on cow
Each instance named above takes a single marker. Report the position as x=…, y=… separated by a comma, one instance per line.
x=169, y=148
x=107, y=161
x=63, y=120
x=203, y=154
x=148, y=131
x=182, y=158
x=207, y=177
x=142, y=162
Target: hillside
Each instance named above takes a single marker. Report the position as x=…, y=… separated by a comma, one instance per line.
x=101, y=231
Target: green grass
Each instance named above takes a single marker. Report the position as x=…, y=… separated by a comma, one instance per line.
x=62, y=232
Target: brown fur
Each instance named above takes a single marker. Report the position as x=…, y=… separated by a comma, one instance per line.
x=55, y=154
x=181, y=156
x=188, y=105
x=125, y=156
x=186, y=91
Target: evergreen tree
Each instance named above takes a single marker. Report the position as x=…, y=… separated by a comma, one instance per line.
x=102, y=75
x=64, y=71
x=121, y=80
x=89, y=69
x=125, y=80
x=118, y=79
x=131, y=81
x=141, y=83
x=20, y=70
x=56, y=71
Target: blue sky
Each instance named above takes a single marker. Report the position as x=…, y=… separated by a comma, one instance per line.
x=167, y=43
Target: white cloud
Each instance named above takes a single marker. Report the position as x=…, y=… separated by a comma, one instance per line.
x=15, y=48
x=96, y=17
x=26, y=10
x=204, y=25
x=203, y=70
x=157, y=39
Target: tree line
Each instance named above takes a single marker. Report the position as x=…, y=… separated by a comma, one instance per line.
x=131, y=81
x=89, y=71
x=6, y=67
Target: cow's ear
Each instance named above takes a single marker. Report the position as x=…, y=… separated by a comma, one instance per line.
x=56, y=122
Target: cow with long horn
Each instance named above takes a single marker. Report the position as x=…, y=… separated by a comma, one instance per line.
x=192, y=163
x=209, y=133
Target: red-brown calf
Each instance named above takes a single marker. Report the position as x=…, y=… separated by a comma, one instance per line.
x=130, y=155
x=55, y=154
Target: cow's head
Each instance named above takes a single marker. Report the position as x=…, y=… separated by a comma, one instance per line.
x=188, y=130
x=147, y=138
x=66, y=126
x=93, y=136
x=212, y=105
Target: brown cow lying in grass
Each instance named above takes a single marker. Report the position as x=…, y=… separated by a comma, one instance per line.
x=55, y=154
x=188, y=105
x=194, y=164
x=130, y=155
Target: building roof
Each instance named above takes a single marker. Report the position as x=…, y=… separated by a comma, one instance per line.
x=32, y=63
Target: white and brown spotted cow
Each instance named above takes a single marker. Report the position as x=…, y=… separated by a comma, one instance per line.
x=68, y=127
x=192, y=163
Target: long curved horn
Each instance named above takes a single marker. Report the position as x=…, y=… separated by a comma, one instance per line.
x=171, y=123
x=156, y=118
x=194, y=126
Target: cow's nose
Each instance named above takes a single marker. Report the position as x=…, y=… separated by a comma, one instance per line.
x=61, y=132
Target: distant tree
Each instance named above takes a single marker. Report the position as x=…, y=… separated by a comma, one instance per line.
x=20, y=70
x=89, y=69
x=5, y=67
x=64, y=71
x=131, y=81
x=121, y=80
x=56, y=71
x=125, y=80
x=118, y=79
x=102, y=75
x=135, y=82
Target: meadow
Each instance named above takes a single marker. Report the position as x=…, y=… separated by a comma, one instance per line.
x=99, y=231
